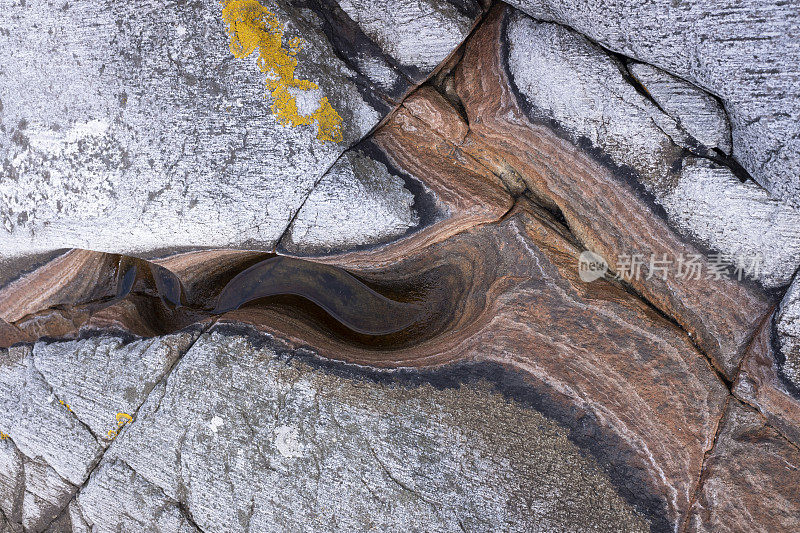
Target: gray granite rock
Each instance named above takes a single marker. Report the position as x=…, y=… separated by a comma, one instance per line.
x=105, y=506
x=699, y=113
x=38, y=423
x=47, y=451
x=416, y=33
x=565, y=78
x=133, y=128
x=102, y=376
x=358, y=202
x=32, y=494
x=745, y=52
x=787, y=322
x=760, y=233
x=242, y=438
x=58, y=412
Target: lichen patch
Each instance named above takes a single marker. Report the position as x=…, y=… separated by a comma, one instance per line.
x=252, y=27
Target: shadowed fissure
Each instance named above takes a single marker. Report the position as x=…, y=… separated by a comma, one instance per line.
x=147, y=299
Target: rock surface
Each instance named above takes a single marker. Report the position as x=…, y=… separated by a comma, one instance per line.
x=746, y=53
x=696, y=111
x=356, y=275
x=60, y=406
x=788, y=330
x=133, y=128
x=605, y=208
x=752, y=477
x=247, y=435
x=768, y=378
x=336, y=216
x=565, y=78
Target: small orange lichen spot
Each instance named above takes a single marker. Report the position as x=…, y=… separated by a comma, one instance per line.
x=3, y=436
x=251, y=26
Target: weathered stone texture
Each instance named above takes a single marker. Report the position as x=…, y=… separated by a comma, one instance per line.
x=787, y=323
x=247, y=439
x=746, y=53
x=131, y=127
x=752, y=230
x=768, y=379
x=563, y=77
x=606, y=209
x=58, y=412
x=358, y=202
x=696, y=111
x=751, y=481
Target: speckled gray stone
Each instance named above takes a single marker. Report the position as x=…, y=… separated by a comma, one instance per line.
x=116, y=497
x=244, y=439
x=695, y=110
x=358, y=202
x=131, y=128
x=47, y=453
x=102, y=376
x=417, y=33
x=58, y=402
x=747, y=52
x=739, y=219
x=564, y=77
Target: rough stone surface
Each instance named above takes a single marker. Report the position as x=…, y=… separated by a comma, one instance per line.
x=469, y=183
x=358, y=202
x=763, y=383
x=751, y=481
x=564, y=77
x=605, y=207
x=759, y=234
x=599, y=360
x=417, y=33
x=32, y=494
x=132, y=128
x=248, y=439
x=102, y=376
x=58, y=408
x=787, y=324
x=117, y=499
x=696, y=111
x=450, y=194
x=39, y=424
x=47, y=450
x=746, y=53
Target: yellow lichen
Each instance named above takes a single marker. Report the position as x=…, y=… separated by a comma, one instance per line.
x=122, y=419
x=251, y=26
